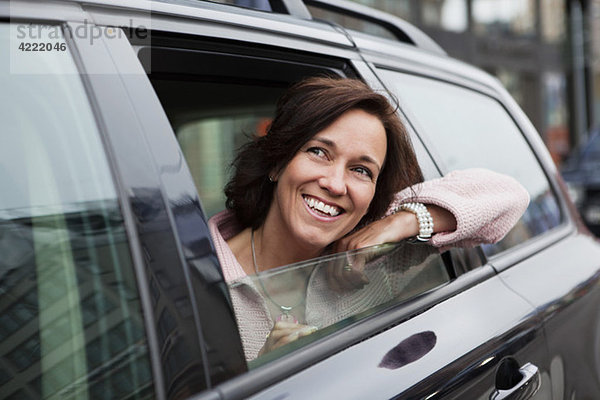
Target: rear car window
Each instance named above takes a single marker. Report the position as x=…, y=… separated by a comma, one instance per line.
x=469, y=129
x=70, y=317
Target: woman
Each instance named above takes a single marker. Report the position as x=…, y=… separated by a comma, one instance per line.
x=321, y=180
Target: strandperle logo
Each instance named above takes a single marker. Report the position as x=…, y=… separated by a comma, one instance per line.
x=85, y=31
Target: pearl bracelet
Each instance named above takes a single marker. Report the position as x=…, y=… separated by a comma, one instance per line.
x=423, y=218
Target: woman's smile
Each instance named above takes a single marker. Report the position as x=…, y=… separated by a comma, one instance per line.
x=322, y=208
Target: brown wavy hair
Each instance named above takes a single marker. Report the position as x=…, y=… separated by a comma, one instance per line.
x=302, y=111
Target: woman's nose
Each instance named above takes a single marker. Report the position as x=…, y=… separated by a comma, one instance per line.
x=334, y=181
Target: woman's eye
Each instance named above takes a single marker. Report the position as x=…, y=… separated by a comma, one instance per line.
x=317, y=151
x=364, y=171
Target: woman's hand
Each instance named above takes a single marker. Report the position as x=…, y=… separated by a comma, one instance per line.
x=284, y=333
x=395, y=228
x=347, y=274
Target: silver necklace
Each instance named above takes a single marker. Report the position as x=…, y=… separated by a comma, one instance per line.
x=285, y=310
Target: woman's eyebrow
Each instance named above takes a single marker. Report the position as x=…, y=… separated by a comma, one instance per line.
x=325, y=141
x=364, y=158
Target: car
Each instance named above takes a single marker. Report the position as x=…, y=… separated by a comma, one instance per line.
x=583, y=181
x=119, y=121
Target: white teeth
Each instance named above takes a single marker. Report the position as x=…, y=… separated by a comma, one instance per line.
x=319, y=205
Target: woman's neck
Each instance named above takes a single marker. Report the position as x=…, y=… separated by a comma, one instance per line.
x=273, y=248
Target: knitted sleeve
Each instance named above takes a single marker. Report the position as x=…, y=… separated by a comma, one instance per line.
x=486, y=205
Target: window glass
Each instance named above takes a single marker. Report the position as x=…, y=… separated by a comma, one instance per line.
x=470, y=129
x=325, y=294
x=70, y=318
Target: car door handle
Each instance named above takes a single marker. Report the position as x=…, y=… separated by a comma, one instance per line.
x=524, y=388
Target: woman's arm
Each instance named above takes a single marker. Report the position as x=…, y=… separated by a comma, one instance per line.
x=468, y=207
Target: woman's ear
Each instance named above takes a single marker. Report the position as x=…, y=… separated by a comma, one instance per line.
x=274, y=174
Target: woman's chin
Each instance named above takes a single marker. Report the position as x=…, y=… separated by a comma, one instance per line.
x=317, y=242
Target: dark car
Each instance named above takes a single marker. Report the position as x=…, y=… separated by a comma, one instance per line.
x=118, y=123
x=582, y=175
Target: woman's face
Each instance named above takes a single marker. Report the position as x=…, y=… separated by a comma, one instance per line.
x=325, y=190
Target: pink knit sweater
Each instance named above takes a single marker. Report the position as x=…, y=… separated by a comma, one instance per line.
x=486, y=206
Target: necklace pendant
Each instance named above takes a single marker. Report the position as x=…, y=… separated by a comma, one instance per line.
x=286, y=317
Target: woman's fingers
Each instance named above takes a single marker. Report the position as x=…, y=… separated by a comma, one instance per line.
x=393, y=228
x=346, y=274
x=284, y=333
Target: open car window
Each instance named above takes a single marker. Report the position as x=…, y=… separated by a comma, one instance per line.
x=213, y=112
x=326, y=294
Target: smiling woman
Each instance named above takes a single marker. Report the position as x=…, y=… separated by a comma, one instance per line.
x=336, y=160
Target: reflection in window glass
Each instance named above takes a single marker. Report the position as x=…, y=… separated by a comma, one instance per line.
x=470, y=129
x=450, y=15
x=325, y=294
x=504, y=17
x=70, y=319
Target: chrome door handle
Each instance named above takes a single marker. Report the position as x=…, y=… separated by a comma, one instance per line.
x=524, y=389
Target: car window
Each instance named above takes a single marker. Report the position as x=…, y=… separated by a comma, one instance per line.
x=470, y=129
x=328, y=293
x=70, y=318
